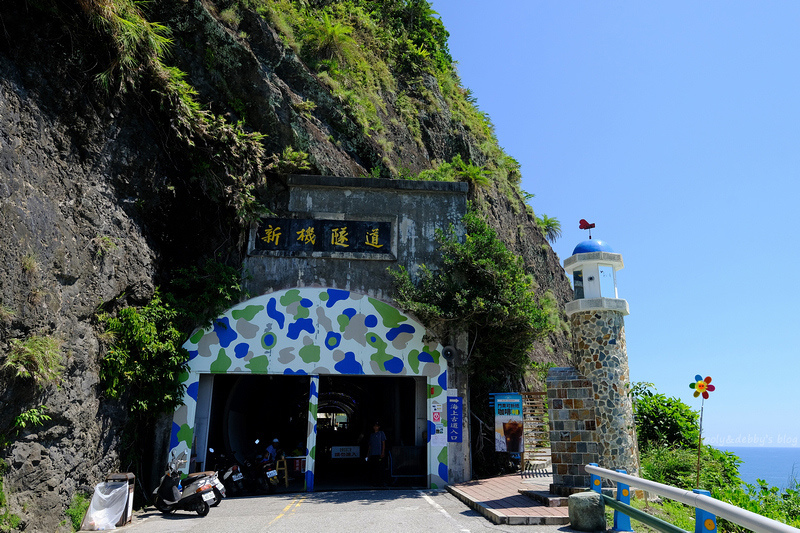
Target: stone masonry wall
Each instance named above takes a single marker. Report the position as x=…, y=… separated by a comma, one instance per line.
x=573, y=440
x=600, y=354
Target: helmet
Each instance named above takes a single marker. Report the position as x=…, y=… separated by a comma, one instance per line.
x=275, y=440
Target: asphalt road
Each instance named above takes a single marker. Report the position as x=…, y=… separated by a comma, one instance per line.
x=383, y=511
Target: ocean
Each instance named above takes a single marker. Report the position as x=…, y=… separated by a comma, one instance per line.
x=777, y=466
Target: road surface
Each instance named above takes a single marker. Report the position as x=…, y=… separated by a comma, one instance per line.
x=383, y=511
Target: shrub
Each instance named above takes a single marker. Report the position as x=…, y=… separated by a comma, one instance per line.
x=37, y=358
x=483, y=288
x=77, y=509
x=289, y=161
x=550, y=227
x=35, y=416
x=330, y=39
x=30, y=265
x=457, y=170
x=678, y=467
x=146, y=360
x=664, y=421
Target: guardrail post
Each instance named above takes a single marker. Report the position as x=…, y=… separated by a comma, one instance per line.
x=597, y=484
x=622, y=522
x=704, y=522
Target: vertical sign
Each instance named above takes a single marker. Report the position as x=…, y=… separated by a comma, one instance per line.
x=438, y=436
x=508, y=422
x=455, y=406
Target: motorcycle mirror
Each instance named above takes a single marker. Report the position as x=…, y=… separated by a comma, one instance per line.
x=211, y=450
x=257, y=441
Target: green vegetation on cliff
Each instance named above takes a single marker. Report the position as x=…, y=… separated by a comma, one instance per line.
x=385, y=63
x=388, y=63
x=229, y=160
x=481, y=289
x=145, y=364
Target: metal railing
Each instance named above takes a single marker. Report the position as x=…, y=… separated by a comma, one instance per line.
x=706, y=507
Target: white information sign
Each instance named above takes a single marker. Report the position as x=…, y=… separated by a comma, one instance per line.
x=345, y=452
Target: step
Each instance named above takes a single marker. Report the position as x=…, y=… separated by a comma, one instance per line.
x=545, y=498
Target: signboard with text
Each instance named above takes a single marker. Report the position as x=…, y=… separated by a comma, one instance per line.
x=438, y=434
x=316, y=235
x=508, y=422
x=345, y=452
x=455, y=408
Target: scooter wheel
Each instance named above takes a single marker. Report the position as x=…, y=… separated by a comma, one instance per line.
x=202, y=508
x=164, y=508
x=217, y=497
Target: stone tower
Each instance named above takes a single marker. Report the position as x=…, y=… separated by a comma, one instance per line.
x=599, y=353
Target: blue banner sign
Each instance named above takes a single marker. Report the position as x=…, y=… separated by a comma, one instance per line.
x=455, y=408
x=508, y=422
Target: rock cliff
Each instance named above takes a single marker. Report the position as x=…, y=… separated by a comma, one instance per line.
x=100, y=201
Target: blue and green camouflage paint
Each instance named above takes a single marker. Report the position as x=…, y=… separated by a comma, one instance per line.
x=314, y=331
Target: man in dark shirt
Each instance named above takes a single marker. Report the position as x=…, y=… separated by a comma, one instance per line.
x=376, y=451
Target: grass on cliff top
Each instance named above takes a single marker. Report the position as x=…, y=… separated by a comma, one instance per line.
x=379, y=58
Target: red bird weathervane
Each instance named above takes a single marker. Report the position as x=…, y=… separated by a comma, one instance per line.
x=586, y=225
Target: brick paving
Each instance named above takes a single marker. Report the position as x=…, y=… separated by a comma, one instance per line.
x=499, y=499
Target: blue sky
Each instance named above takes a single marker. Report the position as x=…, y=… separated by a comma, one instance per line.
x=675, y=128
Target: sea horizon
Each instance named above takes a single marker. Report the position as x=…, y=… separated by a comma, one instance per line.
x=779, y=466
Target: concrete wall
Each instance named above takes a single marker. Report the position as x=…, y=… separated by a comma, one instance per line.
x=415, y=209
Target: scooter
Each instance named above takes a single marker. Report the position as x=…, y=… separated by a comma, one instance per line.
x=171, y=496
x=264, y=472
x=233, y=477
x=213, y=478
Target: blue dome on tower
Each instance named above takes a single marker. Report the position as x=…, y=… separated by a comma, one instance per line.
x=592, y=245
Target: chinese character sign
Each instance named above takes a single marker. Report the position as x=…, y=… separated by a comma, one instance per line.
x=455, y=406
x=304, y=235
x=270, y=234
x=508, y=422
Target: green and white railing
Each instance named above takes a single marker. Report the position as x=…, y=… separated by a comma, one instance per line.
x=707, y=509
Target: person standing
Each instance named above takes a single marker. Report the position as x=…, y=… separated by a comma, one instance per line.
x=376, y=451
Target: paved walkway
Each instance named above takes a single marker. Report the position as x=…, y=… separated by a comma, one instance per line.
x=501, y=499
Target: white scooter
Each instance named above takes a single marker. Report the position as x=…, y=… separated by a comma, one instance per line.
x=212, y=478
x=170, y=496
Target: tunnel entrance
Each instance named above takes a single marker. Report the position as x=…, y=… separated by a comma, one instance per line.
x=246, y=408
x=348, y=408
x=262, y=366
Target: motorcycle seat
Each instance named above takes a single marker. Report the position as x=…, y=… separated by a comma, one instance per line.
x=194, y=475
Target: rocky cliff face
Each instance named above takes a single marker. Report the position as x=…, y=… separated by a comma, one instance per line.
x=97, y=206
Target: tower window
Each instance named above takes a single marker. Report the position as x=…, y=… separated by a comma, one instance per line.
x=608, y=286
x=577, y=281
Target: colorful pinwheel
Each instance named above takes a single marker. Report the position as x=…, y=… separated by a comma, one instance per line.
x=702, y=386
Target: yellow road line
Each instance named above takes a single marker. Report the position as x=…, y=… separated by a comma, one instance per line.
x=294, y=503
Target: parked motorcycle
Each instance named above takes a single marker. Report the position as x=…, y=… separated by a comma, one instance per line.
x=230, y=471
x=211, y=477
x=264, y=471
x=170, y=495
